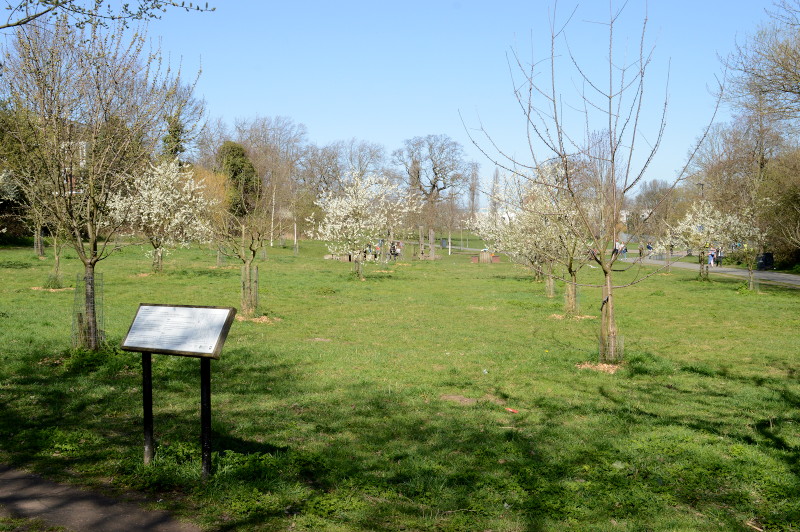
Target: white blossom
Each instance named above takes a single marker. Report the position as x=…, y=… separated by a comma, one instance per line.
x=166, y=205
x=360, y=214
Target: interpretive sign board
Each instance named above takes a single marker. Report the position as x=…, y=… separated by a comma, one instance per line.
x=179, y=330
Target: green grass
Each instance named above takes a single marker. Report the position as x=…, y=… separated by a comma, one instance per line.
x=383, y=404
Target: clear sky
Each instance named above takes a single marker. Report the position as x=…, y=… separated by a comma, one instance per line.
x=385, y=71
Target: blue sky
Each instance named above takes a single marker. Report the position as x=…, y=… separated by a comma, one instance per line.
x=388, y=71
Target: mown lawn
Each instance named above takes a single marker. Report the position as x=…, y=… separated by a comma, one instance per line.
x=431, y=396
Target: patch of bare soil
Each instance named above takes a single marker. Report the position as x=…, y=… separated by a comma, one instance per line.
x=260, y=319
x=67, y=289
x=460, y=399
x=605, y=368
x=493, y=399
x=320, y=339
x=384, y=271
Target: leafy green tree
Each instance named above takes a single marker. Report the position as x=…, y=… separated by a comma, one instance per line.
x=233, y=162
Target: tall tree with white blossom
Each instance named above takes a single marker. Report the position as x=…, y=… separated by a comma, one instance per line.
x=88, y=108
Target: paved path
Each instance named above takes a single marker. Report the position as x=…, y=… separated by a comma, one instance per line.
x=30, y=496
x=788, y=279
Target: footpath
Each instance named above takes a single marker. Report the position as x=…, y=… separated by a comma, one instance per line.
x=29, y=496
x=786, y=279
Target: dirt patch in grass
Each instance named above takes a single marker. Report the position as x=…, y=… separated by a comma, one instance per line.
x=459, y=399
x=604, y=368
x=260, y=319
x=493, y=399
x=319, y=339
x=67, y=289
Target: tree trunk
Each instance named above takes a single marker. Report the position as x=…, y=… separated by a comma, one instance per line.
x=669, y=258
x=549, y=282
x=158, y=259
x=54, y=281
x=38, y=241
x=449, y=243
x=249, y=288
x=432, y=244
x=89, y=334
x=703, y=266
x=421, y=244
x=571, y=297
x=358, y=266
x=272, y=219
x=610, y=350
x=751, y=278
x=57, y=246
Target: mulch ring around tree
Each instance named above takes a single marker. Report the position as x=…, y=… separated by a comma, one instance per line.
x=596, y=366
x=259, y=319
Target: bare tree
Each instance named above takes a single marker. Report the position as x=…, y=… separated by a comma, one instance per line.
x=596, y=140
x=241, y=220
x=434, y=167
x=81, y=12
x=494, y=195
x=275, y=146
x=364, y=157
x=87, y=107
x=763, y=70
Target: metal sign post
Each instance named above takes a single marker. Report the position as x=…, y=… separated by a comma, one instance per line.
x=180, y=330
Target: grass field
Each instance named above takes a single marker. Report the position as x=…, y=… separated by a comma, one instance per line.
x=431, y=396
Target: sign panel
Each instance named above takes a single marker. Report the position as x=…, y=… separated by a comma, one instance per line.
x=179, y=330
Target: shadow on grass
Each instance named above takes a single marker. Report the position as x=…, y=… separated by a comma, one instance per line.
x=363, y=458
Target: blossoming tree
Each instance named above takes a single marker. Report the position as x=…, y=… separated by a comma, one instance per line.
x=534, y=227
x=365, y=210
x=166, y=205
x=702, y=227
